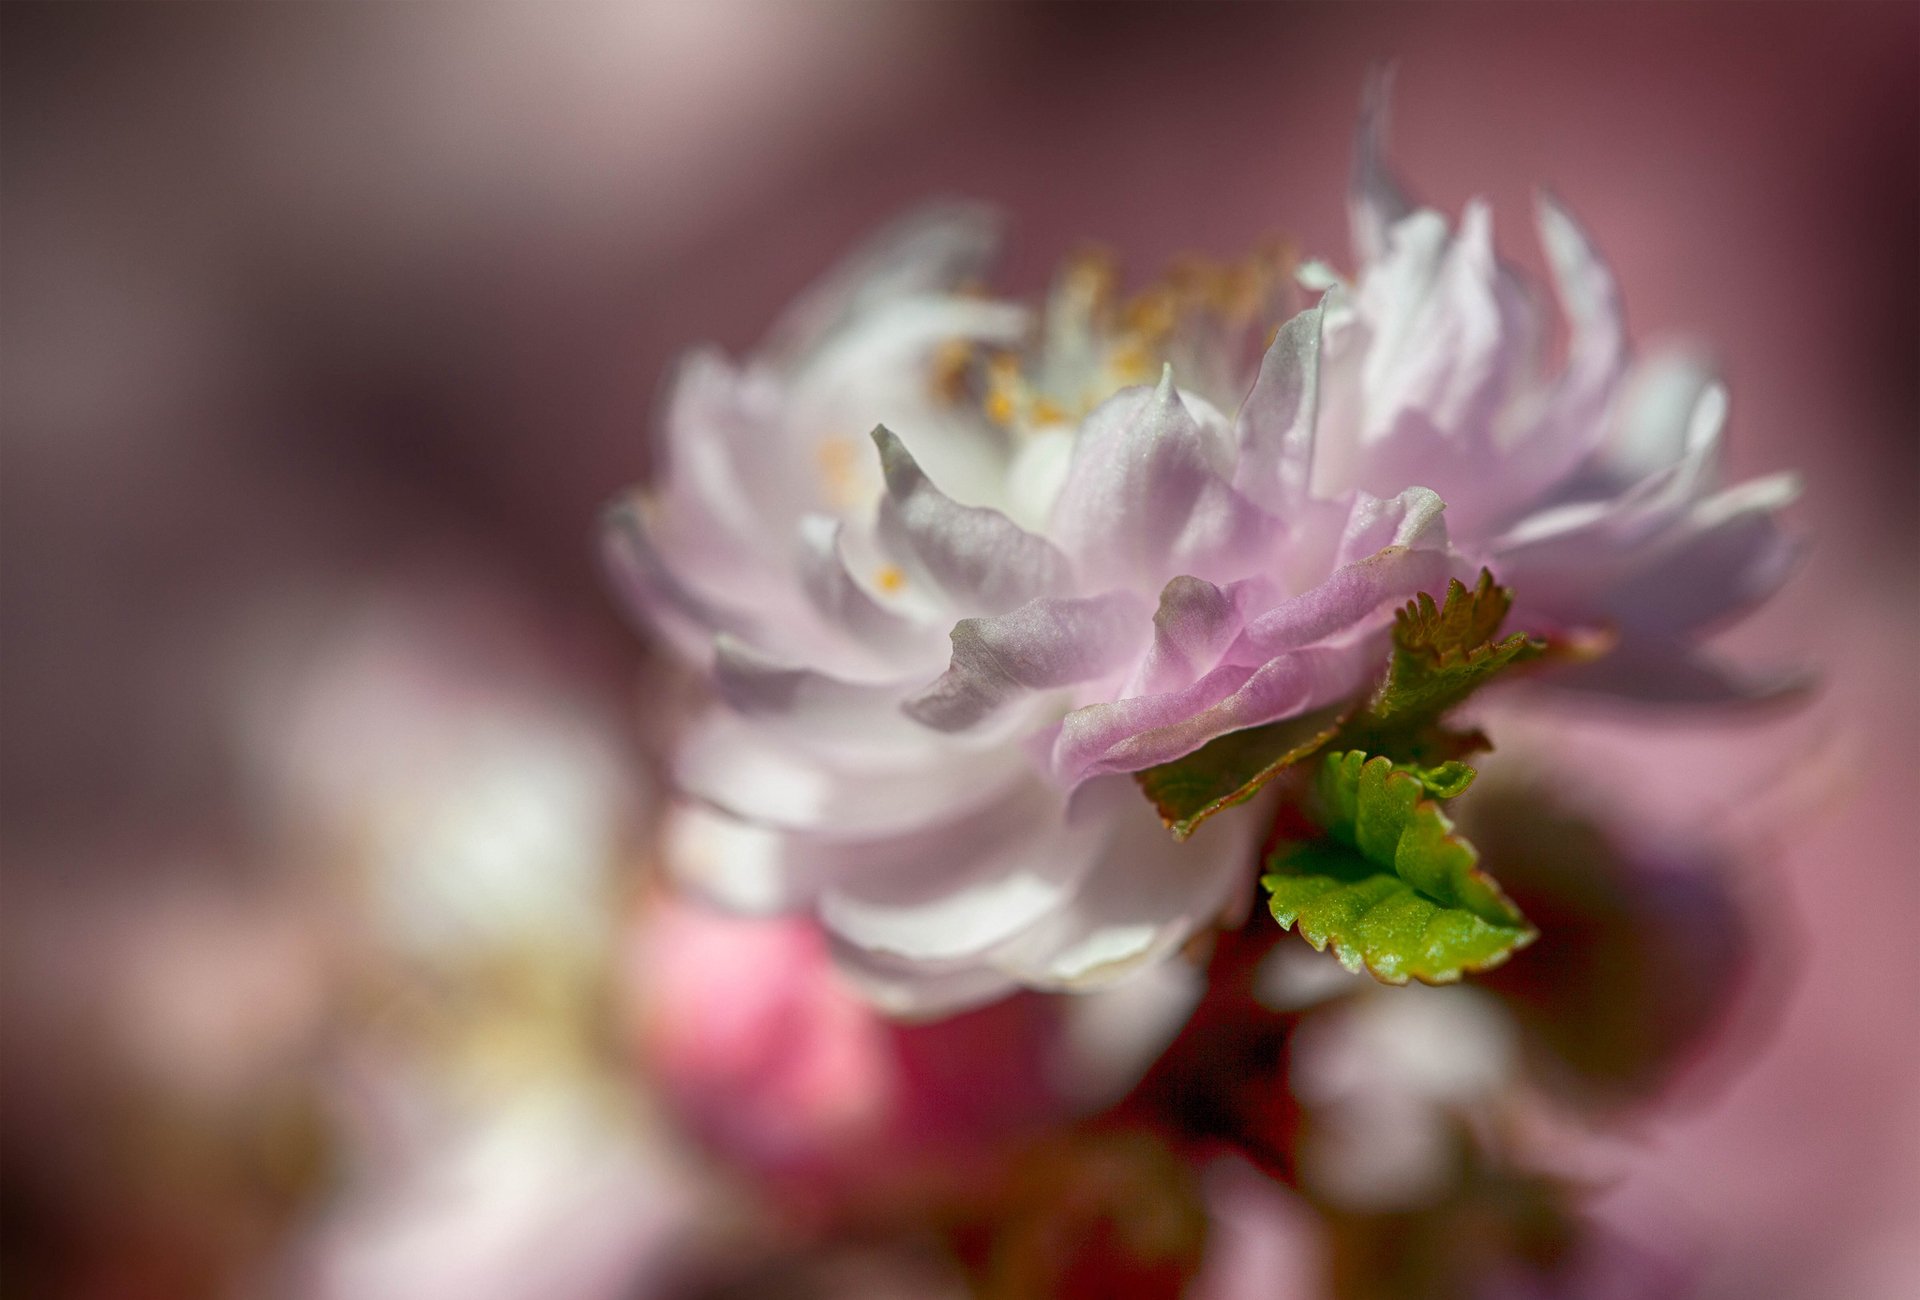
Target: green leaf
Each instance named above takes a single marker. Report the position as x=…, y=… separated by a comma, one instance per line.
x=1231, y=769
x=1442, y=653
x=1391, y=887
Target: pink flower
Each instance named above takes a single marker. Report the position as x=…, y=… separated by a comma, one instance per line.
x=934, y=665
x=765, y=1054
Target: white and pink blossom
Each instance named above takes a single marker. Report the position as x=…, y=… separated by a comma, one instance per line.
x=1088, y=539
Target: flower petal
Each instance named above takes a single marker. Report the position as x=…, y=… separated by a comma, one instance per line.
x=1148, y=497
x=981, y=561
x=1275, y=425
x=812, y=709
x=652, y=594
x=1132, y=734
x=1146, y=897
x=1375, y=200
x=933, y=250
x=1344, y=600
x=1044, y=644
x=728, y=762
x=1192, y=628
x=1001, y=870
x=885, y=635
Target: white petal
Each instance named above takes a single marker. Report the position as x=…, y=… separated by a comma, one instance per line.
x=1276, y=422
x=1148, y=495
x=933, y=250
x=1375, y=202
x=887, y=636
x=1046, y=643
x=814, y=710
x=960, y=888
x=728, y=762
x=1147, y=895
x=980, y=560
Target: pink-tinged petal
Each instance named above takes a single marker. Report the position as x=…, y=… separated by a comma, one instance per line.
x=1657, y=419
x=1729, y=555
x=885, y=635
x=730, y=485
x=1002, y=870
x=933, y=250
x=1274, y=428
x=1376, y=203
x=1145, y=898
x=812, y=709
x=1653, y=670
x=1453, y=328
x=1571, y=421
x=1414, y=519
x=733, y=765
x=1147, y=496
x=1345, y=601
x=1129, y=735
x=1724, y=555
x=976, y=558
x=1192, y=628
x=1044, y=644
x=651, y=592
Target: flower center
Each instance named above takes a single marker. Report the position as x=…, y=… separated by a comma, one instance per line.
x=1200, y=317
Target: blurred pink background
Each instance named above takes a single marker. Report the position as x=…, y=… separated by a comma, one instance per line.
x=313, y=309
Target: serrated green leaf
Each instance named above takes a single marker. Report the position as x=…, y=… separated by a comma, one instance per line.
x=1231, y=769
x=1442, y=653
x=1392, y=887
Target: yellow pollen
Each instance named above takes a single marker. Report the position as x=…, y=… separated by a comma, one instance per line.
x=838, y=461
x=952, y=361
x=1004, y=389
x=1133, y=362
x=889, y=579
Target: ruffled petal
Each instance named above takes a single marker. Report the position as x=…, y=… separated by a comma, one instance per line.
x=878, y=370
x=727, y=762
x=884, y=635
x=933, y=250
x=1192, y=628
x=1376, y=202
x=919, y=990
x=980, y=561
x=1274, y=428
x=1147, y=895
x=813, y=709
x=1148, y=495
x=1002, y=870
x=1550, y=434
x=1344, y=601
x=1133, y=734
x=653, y=595
x=1045, y=644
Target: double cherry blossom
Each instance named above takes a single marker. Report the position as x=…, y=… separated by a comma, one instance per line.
x=1084, y=540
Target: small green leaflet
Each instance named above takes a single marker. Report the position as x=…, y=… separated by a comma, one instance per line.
x=1442, y=653
x=1231, y=769
x=1391, y=886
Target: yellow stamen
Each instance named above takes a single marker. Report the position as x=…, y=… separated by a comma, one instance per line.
x=889, y=579
x=1133, y=362
x=838, y=459
x=1047, y=411
x=952, y=362
x=1005, y=389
